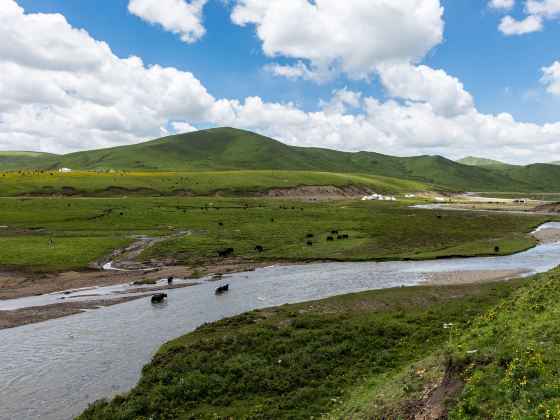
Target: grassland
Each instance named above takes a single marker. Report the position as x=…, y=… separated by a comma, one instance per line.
x=300, y=361
x=227, y=149
x=84, y=229
x=229, y=183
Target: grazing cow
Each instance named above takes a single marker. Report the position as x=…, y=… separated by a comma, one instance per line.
x=339, y=237
x=438, y=216
x=310, y=235
x=259, y=248
x=330, y=239
x=169, y=279
x=272, y=220
x=158, y=297
x=334, y=232
x=225, y=252
x=222, y=289
x=497, y=249
x=345, y=236
x=309, y=243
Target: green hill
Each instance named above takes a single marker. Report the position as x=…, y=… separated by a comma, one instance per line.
x=9, y=160
x=222, y=149
x=478, y=161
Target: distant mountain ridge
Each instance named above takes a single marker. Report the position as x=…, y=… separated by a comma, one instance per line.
x=222, y=149
x=13, y=159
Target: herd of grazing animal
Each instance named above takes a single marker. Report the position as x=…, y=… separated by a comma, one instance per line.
x=228, y=252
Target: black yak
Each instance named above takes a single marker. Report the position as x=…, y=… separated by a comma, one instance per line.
x=158, y=297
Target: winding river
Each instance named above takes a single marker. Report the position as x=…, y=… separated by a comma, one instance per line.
x=53, y=369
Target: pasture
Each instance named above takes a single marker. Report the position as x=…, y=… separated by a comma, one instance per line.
x=55, y=234
x=228, y=183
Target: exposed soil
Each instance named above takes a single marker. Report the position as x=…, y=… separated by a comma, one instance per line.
x=432, y=404
x=317, y=192
x=124, y=191
x=549, y=208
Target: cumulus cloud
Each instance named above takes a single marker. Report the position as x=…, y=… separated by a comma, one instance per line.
x=510, y=26
x=421, y=83
x=502, y=4
x=300, y=70
x=61, y=90
x=180, y=17
x=551, y=77
x=537, y=11
x=355, y=35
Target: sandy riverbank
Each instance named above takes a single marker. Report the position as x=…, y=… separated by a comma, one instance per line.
x=470, y=277
x=547, y=236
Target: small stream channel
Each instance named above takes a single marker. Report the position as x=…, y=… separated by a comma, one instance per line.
x=53, y=369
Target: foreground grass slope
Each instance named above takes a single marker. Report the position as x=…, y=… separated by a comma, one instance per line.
x=515, y=372
x=298, y=361
x=86, y=229
x=227, y=149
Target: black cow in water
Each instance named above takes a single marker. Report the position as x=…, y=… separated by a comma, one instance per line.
x=158, y=297
x=222, y=289
x=169, y=279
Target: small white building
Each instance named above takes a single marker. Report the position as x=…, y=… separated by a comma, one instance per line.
x=65, y=170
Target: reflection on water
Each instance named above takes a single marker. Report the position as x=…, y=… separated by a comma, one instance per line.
x=55, y=368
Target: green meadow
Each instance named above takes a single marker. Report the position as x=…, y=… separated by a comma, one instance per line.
x=229, y=183
x=52, y=234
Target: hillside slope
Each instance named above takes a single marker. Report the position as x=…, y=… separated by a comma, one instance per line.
x=231, y=149
x=9, y=160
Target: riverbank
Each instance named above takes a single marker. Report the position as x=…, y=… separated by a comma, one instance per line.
x=303, y=360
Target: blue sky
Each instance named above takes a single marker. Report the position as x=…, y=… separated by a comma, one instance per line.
x=493, y=72
x=501, y=72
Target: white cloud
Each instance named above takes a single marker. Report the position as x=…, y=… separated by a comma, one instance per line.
x=183, y=127
x=300, y=70
x=537, y=11
x=180, y=17
x=502, y=4
x=356, y=35
x=550, y=9
x=446, y=94
x=551, y=77
x=510, y=26
x=61, y=90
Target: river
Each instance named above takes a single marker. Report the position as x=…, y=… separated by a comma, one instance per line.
x=53, y=369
